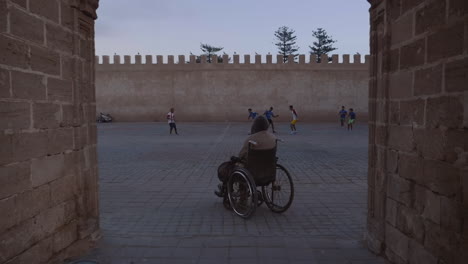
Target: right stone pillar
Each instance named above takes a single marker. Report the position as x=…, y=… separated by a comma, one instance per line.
x=418, y=131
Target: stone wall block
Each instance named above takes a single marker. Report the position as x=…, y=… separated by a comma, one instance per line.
x=28, y=86
x=4, y=83
x=29, y=145
x=59, y=140
x=427, y=204
x=3, y=16
x=15, y=179
x=410, y=223
x=39, y=253
x=400, y=190
x=47, y=115
x=428, y=81
x=394, y=113
x=14, y=52
x=456, y=76
x=445, y=43
x=65, y=236
x=59, y=39
x=9, y=214
x=419, y=254
x=391, y=212
x=392, y=161
x=381, y=133
x=32, y=202
x=411, y=167
x=63, y=189
x=442, y=178
x=401, y=138
x=430, y=17
x=45, y=60
x=458, y=7
x=402, y=29
x=26, y=26
x=400, y=85
x=67, y=15
x=398, y=240
x=59, y=90
x=412, y=54
x=451, y=214
x=15, y=115
x=48, y=221
x=6, y=151
x=412, y=112
x=430, y=143
x=47, y=169
x=48, y=9
x=457, y=144
x=444, y=111
x=16, y=239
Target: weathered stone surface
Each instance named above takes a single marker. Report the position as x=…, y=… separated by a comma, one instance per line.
x=47, y=169
x=67, y=16
x=8, y=209
x=401, y=138
x=3, y=16
x=430, y=143
x=394, y=112
x=442, y=178
x=410, y=167
x=428, y=81
x=39, y=253
x=393, y=60
x=59, y=140
x=32, y=202
x=28, y=86
x=48, y=9
x=456, y=76
x=15, y=115
x=458, y=7
x=46, y=115
x=412, y=112
x=400, y=85
x=6, y=151
x=427, y=204
x=413, y=54
x=45, y=60
x=392, y=212
x=400, y=190
x=63, y=189
x=452, y=212
x=409, y=4
x=430, y=17
x=59, y=39
x=15, y=179
x=399, y=241
x=4, y=83
x=418, y=254
x=410, y=223
x=445, y=43
x=444, y=111
x=14, y=52
x=59, y=90
x=26, y=26
x=402, y=29
x=65, y=236
x=29, y=145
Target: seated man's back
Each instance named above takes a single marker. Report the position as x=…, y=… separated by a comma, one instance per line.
x=260, y=135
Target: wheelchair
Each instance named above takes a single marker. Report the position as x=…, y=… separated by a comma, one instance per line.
x=262, y=171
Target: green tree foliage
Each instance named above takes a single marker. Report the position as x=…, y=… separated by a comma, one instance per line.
x=323, y=45
x=286, y=42
x=209, y=51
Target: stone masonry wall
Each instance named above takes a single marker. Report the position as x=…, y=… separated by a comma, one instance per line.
x=418, y=152
x=224, y=91
x=48, y=165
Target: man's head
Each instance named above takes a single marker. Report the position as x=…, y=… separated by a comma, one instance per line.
x=342, y=107
x=271, y=108
x=259, y=124
x=172, y=110
x=351, y=110
x=250, y=110
x=291, y=107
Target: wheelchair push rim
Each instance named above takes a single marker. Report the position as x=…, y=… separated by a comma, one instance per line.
x=242, y=193
x=279, y=194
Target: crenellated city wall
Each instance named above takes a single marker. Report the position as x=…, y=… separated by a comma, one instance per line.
x=223, y=91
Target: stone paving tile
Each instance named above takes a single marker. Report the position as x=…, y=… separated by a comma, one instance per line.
x=157, y=203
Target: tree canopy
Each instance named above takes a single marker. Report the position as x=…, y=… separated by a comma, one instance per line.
x=286, y=42
x=323, y=45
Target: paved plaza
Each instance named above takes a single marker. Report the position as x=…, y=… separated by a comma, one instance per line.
x=157, y=203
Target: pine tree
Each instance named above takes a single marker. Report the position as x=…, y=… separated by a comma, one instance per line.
x=286, y=42
x=209, y=50
x=323, y=45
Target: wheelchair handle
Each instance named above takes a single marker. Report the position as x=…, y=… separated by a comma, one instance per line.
x=253, y=142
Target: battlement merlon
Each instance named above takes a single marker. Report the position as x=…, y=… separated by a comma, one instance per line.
x=203, y=59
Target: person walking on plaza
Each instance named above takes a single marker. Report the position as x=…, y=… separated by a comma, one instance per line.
x=351, y=119
x=342, y=115
x=269, y=116
x=294, y=120
x=171, y=121
x=252, y=115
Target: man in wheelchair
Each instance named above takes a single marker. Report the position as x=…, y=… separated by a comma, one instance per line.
x=259, y=139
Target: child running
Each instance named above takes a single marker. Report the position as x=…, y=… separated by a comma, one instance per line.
x=294, y=120
x=351, y=119
x=269, y=115
x=342, y=115
x=252, y=115
x=171, y=121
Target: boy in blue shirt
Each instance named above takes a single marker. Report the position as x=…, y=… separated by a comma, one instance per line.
x=342, y=115
x=251, y=114
x=351, y=119
x=269, y=115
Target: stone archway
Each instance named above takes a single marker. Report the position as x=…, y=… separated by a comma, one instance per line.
x=417, y=144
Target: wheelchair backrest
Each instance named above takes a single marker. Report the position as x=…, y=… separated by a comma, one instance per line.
x=261, y=163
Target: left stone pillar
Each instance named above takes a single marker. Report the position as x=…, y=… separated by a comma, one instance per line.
x=48, y=164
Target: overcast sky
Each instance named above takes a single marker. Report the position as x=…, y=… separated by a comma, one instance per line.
x=173, y=27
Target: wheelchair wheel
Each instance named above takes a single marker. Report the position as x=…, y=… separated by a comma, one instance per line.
x=242, y=193
x=279, y=194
